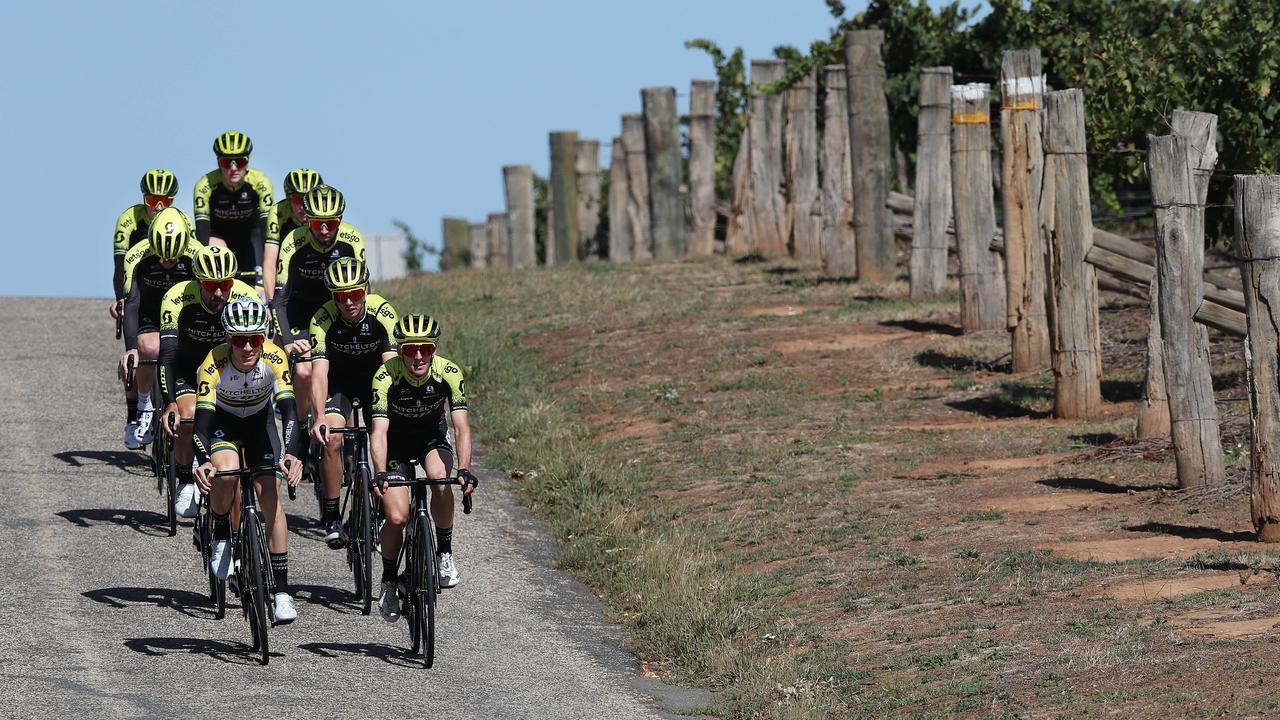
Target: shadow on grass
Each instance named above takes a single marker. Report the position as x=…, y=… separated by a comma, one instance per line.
x=958, y=363
x=1121, y=390
x=812, y=281
x=1194, y=532
x=923, y=326
x=1094, y=439
x=781, y=270
x=1096, y=485
x=749, y=259
x=1001, y=405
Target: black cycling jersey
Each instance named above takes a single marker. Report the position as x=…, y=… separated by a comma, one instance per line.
x=188, y=332
x=145, y=283
x=237, y=215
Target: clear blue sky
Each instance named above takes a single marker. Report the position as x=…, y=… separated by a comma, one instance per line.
x=410, y=108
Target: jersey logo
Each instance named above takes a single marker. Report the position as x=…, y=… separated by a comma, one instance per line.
x=244, y=194
x=204, y=388
x=167, y=318
x=450, y=369
x=170, y=228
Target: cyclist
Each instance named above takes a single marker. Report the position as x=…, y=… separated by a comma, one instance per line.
x=158, y=189
x=300, y=288
x=238, y=383
x=351, y=335
x=150, y=269
x=232, y=204
x=190, y=327
x=285, y=216
x=410, y=392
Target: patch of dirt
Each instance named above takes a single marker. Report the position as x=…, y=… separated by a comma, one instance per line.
x=783, y=310
x=1221, y=625
x=1158, y=546
x=987, y=466
x=1053, y=502
x=632, y=430
x=849, y=341
x=1158, y=588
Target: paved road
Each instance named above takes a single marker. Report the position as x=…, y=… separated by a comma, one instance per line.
x=101, y=614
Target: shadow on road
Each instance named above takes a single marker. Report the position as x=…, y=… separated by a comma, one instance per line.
x=184, y=601
x=127, y=460
x=235, y=653
x=339, y=600
x=305, y=526
x=387, y=653
x=143, y=521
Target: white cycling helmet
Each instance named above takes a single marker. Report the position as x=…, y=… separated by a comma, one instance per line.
x=245, y=317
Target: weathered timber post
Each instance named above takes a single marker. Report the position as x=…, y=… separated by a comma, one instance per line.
x=738, y=236
x=619, y=249
x=1179, y=166
x=564, y=198
x=839, y=253
x=665, y=168
x=478, y=242
x=587, y=168
x=1068, y=228
x=496, y=236
x=517, y=183
x=702, y=167
x=927, y=268
x=803, y=201
x=769, y=219
x=1257, y=200
x=869, y=153
x=637, y=187
x=982, y=288
x=1022, y=175
x=456, y=243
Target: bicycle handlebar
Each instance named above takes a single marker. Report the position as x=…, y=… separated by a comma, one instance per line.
x=451, y=480
x=255, y=472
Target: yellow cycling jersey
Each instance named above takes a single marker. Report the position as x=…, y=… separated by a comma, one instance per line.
x=281, y=221
x=131, y=228
x=223, y=386
x=399, y=396
x=221, y=204
x=184, y=316
x=306, y=261
x=138, y=254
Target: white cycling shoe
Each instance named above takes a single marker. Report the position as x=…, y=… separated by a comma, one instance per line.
x=220, y=558
x=389, y=601
x=285, y=611
x=146, y=433
x=448, y=570
x=131, y=435
x=187, y=503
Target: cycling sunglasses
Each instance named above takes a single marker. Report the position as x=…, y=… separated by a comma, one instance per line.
x=228, y=162
x=252, y=341
x=415, y=349
x=157, y=202
x=349, y=295
x=212, y=286
x=326, y=226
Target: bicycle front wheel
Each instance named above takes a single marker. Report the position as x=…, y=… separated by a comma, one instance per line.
x=171, y=482
x=425, y=588
x=362, y=540
x=253, y=586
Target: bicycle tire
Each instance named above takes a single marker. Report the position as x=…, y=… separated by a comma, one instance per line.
x=363, y=538
x=412, y=606
x=427, y=588
x=253, y=587
x=171, y=483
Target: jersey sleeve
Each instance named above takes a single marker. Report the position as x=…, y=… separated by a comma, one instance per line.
x=266, y=199
x=452, y=375
x=125, y=225
x=381, y=390
x=207, y=381
x=275, y=219
x=274, y=358
x=288, y=248
x=320, y=323
x=131, y=262
x=354, y=238
x=200, y=197
x=388, y=318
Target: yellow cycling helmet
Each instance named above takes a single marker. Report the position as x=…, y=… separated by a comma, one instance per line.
x=232, y=143
x=323, y=202
x=159, y=182
x=216, y=263
x=415, y=329
x=300, y=181
x=169, y=234
x=345, y=274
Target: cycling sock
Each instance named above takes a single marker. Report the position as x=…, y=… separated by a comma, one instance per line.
x=444, y=540
x=222, y=526
x=280, y=571
x=133, y=410
x=144, y=402
x=184, y=475
x=390, y=569
x=331, y=510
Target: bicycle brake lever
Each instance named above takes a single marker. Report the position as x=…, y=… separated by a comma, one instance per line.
x=466, y=504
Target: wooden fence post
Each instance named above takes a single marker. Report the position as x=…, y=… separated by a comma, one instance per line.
x=619, y=229
x=637, y=187
x=517, y=183
x=927, y=268
x=1022, y=175
x=1068, y=228
x=1257, y=200
x=982, y=288
x=564, y=196
x=587, y=168
x=478, y=243
x=499, y=244
x=839, y=252
x=803, y=201
x=456, y=244
x=702, y=167
x=1179, y=166
x=769, y=220
x=738, y=236
x=869, y=151
x=666, y=171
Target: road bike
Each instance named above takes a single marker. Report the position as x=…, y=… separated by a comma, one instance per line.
x=357, y=508
x=163, y=459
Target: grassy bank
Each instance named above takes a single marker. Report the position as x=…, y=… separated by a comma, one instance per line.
x=822, y=500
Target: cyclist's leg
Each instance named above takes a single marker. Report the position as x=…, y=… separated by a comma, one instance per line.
x=226, y=456
x=186, y=503
x=438, y=462
x=336, y=412
x=145, y=375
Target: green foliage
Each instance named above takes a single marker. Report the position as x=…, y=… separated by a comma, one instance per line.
x=415, y=248
x=731, y=109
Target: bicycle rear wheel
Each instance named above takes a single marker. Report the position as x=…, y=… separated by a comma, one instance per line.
x=253, y=586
